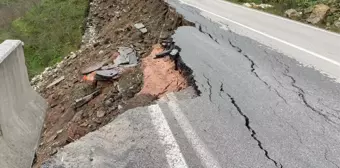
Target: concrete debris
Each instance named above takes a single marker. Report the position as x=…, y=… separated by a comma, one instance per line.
x=107, y=73
x=141, y=27
x=171, y=50
x=110, y=66
x=80, y=102
x=126, y=56
x=57, y=81
x=93, y=67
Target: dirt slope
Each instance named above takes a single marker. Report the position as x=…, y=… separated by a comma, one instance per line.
x=114, y=21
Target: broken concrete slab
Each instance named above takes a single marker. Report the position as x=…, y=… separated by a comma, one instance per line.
x=107, y=67
x=139, y=25
x=127, y=55
x=57, y=81
x=93, y=67
x=107, y=73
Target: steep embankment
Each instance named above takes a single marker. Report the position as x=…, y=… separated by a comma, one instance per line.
x=73, y=110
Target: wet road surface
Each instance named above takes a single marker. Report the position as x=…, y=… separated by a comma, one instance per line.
x=280, y=113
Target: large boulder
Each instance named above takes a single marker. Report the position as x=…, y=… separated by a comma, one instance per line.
x=293, y=14
x=319, y=13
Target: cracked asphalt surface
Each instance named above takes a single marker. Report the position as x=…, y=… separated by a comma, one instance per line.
x=278, y=112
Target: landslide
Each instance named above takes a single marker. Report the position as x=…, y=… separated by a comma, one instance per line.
x=110, y=25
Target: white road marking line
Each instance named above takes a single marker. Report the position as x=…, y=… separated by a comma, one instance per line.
x=278, y=17
x=198, y=145
x=172, y=151
x=269, y=36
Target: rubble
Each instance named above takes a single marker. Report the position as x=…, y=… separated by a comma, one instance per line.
x=57, y=81
x=78, y=106
x=100, y=113
x=254, y=5
x=80, y=102
x=141, y=27
x=126, y=56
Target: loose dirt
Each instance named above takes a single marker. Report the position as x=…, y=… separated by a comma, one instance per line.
x=160, y=76
x=136, y=86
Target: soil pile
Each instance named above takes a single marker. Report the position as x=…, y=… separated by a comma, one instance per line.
x=115, y=26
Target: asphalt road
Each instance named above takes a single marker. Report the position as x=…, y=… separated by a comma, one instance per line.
x=258, y=108
x=308, y=45
x=289, y=112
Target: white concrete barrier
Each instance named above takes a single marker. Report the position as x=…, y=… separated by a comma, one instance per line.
x=22, y=110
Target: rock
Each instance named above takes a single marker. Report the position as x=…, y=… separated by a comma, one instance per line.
x=292, y=13
x=57, y=81
x=139, y=25
x=108, y=102
x=143, y=30
x=100, y=113
x=254, y=5
x=101, y=52
x=59, y=132
x=126, y=56
x=247, y=5
x=80, y=102
x=265, y=6
x=319, y=13
x=120, y=107
x=73, y=55
x=337, y=23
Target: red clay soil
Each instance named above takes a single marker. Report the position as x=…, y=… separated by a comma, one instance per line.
x=114, y=20
x=160, y=76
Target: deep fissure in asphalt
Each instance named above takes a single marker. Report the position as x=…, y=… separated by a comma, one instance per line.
x=301, y=92
x=253, y=133
x=210, y=87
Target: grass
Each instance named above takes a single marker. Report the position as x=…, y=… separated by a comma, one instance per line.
x=280, y=6
x=50, y=30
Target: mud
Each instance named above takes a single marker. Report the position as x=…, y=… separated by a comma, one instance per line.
x=114, y=22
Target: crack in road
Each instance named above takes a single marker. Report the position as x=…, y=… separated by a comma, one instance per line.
x=301, y=94
x=332, y=162
x=210, y=36
x=252, y=131
x=210, y=87
x=253, y=70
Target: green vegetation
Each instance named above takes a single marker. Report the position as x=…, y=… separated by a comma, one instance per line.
x=305, y=7
x=50, y=30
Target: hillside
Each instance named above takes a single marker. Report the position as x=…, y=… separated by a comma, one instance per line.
x=50, y=29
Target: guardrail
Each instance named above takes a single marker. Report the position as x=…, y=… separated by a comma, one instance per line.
x=22, y=110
